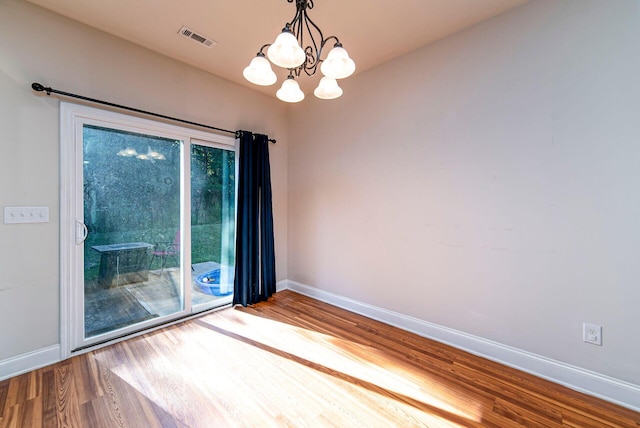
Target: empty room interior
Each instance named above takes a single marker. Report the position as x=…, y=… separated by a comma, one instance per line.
x=453, y=224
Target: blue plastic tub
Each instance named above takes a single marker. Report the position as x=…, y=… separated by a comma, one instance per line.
x=209, y=282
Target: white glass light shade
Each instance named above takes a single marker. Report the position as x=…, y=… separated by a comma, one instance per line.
x=286, y=52
x=155, y=155
x=328, y=89
x=290, y=91
x=259, y=72
x=128, y=152
x=338, y=65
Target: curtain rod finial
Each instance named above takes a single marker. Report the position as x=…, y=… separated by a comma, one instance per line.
x=39, y=88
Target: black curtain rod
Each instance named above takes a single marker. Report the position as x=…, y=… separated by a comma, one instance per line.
x=40, y=88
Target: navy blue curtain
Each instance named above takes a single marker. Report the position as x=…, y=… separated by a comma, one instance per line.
x=255, y=278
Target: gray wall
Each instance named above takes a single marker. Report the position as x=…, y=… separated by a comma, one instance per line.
x=487, y=183
x=39, y=46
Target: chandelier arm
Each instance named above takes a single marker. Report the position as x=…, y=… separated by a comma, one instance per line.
x=308, y=21
x=324, y=42
x=296, y=29
x=329, y=38
x=300, y=7
x=262, y=48
x=313, y=50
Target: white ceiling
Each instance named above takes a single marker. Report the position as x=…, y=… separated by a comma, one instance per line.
x=372, y=31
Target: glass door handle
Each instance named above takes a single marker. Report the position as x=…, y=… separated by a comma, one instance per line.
x=81, y=232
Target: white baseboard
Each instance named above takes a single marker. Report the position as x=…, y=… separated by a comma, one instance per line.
x=588, y=382
x=30, y=361
x=281, y=285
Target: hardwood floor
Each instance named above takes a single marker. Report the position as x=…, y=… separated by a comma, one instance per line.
x=292, y=361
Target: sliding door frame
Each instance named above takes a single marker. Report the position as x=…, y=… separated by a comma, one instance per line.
x=72, y=119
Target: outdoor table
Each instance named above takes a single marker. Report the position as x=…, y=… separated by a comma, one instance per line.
x=127, y=263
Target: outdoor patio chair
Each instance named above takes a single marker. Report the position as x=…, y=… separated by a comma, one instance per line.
x=165, y=250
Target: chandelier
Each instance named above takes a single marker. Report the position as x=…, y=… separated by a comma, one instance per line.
x=287, y=52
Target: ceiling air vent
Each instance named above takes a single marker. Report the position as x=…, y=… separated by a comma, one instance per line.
x=197, y=37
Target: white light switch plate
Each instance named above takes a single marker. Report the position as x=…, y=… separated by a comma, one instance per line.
x=14, y=215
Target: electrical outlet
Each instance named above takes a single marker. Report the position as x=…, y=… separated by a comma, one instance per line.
x=592, y=333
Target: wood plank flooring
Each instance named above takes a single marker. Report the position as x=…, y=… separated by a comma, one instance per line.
x=292, y=361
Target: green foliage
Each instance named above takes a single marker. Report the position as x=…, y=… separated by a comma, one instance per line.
x=212, y=184
x=132, y=193
x=125, y=192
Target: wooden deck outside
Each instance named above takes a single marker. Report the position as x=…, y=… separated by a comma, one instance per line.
x=119, y=305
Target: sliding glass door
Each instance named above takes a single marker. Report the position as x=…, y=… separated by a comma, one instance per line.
x=131, y=198
x=149, y=223
x=213, y=214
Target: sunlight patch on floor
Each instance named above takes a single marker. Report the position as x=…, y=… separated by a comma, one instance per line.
x=289, y=366
x=354, y=359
